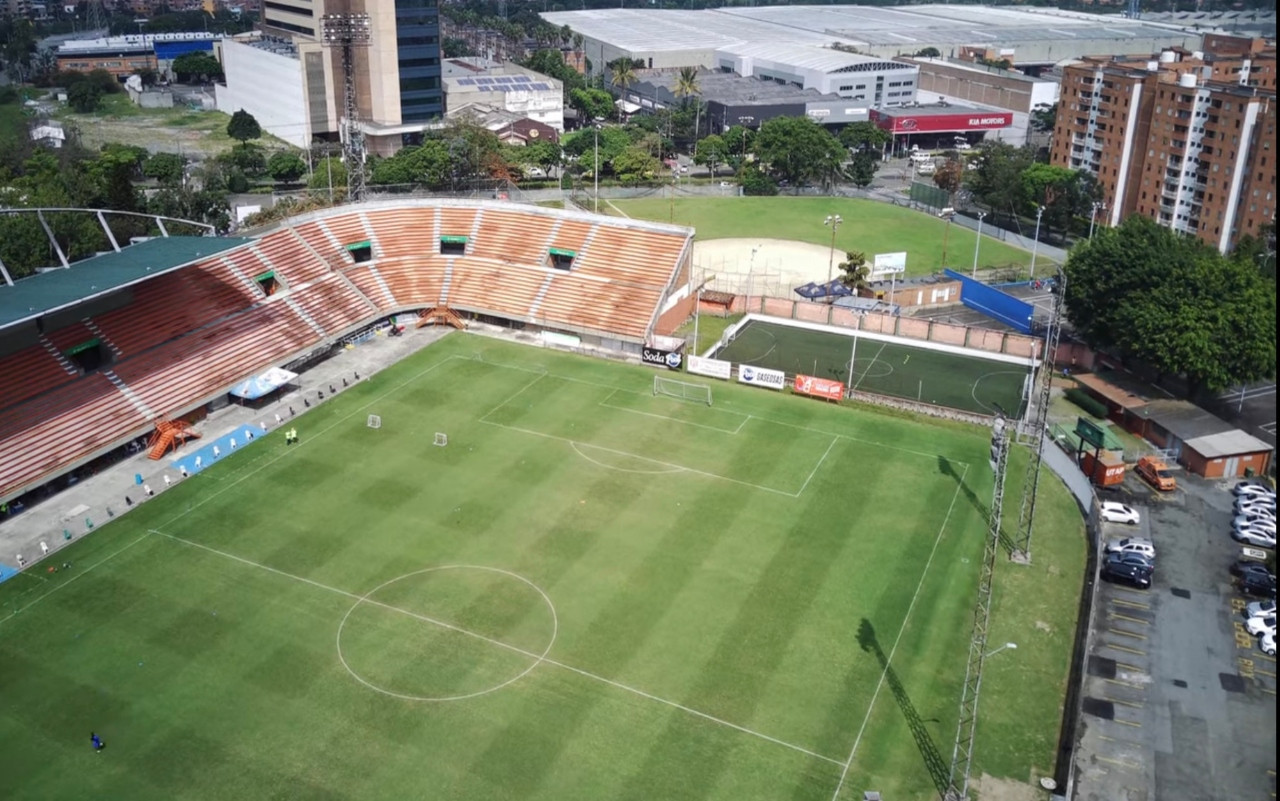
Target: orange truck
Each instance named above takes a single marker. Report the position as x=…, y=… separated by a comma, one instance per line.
x=1156, y=473
x=1104, y=470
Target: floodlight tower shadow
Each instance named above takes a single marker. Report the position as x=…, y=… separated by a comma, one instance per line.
x=933, y=761
x=984, y=509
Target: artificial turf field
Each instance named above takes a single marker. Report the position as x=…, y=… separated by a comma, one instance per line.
x=608, y=595
x=968, y=383
x=869, y=227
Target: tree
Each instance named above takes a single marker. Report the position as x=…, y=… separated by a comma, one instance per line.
x=1141, y=291
x=997, y=182
x=798, y=150
x=286, y=166
x=755, y=182
x=862, y=168
x=855, y=273
x=635, y=164
x=243, y=127
x=1044, y=117
x=248, y=159
x=928, y=52
x=541, y=153
x=622, y=73
x=711, y=151
x=329, y=171
x=453, y=47
x=950, y=176
x=687, y=88
x=593, y=104
x=739, y=139
x=1062, y=192
x=864, y=136
x=83, y=97
x=165, y=168
x=197, y=65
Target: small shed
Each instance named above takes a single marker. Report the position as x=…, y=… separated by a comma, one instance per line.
x=1203, y=443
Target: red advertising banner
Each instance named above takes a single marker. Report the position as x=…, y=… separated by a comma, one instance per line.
x=907, y=123
x=819, y=387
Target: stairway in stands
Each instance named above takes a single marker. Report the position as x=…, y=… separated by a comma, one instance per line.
x=57, y=355
x=133, y=397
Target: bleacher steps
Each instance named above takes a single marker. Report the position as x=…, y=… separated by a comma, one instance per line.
x=98, y=332
x=62, y=360
x=448, y=278
x=383, y=285
x=311, y=321
x=368, y=234
x=475, y=232
x=329, y=235
x=586, y=243
x=542, y=293
x=132, y=396
x=254, y=289
x=437, y=222
x=550, y=240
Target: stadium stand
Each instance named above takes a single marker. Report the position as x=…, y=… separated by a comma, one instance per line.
x=172, y=342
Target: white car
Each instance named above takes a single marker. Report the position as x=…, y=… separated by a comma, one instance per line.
x=1136, y=545
x=1252, y=489
x=1255, y=521
x=1256, y=509
x=1260, y=609
x=1268, y=644
x=1113, y=512
x=1255, y=536
x=1261, y=625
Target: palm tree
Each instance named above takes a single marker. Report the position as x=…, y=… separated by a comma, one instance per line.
x=685, y=88
x=855, y=272
x=622, y=73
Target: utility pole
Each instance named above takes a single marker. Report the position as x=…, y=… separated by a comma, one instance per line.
x=834, y=221
x=349, y=31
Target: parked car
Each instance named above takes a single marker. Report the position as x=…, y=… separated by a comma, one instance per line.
x=1255, y=536
x=1256, y=508
x=1156, y=473
x=1255, y=521
x=1138, y=545
x=1248, y=567
x=1261, y=625
x=1113, y=512
x=1267, y=642
x=1259, y=584
x=1260, y=609
x=1120, y=567
x=1253, y=489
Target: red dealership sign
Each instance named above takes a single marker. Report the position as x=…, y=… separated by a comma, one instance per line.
x=906, y=123
x=819, y=387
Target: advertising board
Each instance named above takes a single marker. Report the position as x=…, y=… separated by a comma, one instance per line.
x=816, y=387
x=762, y=377
x=716, y=368
x=661, y=358
x=889, y=264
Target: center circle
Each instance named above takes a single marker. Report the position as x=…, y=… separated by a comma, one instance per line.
x=447, y=633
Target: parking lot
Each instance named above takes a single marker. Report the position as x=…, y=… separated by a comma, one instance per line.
x=1179, y=702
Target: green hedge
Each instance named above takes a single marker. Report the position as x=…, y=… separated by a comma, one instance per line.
x=1087, y=402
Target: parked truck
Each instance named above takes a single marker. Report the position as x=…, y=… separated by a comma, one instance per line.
x=1156, y=473
x=1104, y=470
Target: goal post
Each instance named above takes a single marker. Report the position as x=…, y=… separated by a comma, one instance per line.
x=683, y=390
x=441, y=439
x=375, y=421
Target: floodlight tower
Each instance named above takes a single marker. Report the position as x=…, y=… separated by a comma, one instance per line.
x=349, y=31
x=962, y=754
x=1035, y=422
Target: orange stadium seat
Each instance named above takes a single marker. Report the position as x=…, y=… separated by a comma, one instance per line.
x=290, y=257
x=29, y=372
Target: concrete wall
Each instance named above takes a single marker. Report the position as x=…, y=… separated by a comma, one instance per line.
x=268, y=86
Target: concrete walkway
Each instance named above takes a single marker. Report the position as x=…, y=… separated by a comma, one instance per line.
x=41, y=530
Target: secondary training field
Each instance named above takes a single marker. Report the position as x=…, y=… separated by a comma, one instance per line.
x=589, y=593
x=969, y=383
x=869, y=227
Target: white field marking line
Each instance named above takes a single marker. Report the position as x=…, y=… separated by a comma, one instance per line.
x=513, y=395
x=615, y=208
x=310, y=438
x=675, y=467
x=973, y=388
x=743, y=424
x=873, y=361
x=508, y=647
x=905, y=620
x=664, y=471
x=849, y=437
x=814, y=471
x=608, y=405
x=100, y=562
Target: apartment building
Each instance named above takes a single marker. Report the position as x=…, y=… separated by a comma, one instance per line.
x=1185, y=138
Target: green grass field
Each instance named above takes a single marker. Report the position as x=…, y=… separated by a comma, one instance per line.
x=590, y=593
x=869, y=227
x=968, y=383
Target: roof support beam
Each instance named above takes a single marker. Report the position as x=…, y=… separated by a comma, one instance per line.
x=111, y=237
x=62, y=257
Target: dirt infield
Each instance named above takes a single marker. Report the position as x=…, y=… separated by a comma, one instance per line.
x=771, y=267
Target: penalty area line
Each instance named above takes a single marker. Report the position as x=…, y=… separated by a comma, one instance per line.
x=888, y=662
x=84, y=572
x=500, y=644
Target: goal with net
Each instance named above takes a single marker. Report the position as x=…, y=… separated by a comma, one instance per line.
x=375, y=421
x=700, y=393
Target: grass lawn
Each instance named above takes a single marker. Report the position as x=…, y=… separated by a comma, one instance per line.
x=885, y=368
x=606, y=595
x=868, y=226
x=710, y=329
x=119, y=120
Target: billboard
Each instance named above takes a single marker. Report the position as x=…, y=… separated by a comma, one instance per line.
x=908, y=123
x=716, y=368
x=889, y=264
x=819, y=387
x=654, y=357
x=762, y=377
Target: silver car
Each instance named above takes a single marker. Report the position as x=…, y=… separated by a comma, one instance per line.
x=1138, y=545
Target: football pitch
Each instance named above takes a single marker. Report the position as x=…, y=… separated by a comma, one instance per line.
x=589, y=593
x=968, y=383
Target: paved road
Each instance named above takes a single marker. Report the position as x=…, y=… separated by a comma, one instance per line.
x=1180, y=704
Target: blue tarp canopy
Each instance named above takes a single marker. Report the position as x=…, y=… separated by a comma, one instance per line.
x=831, y=289
x=264, y=384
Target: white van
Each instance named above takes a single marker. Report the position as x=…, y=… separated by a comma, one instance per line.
x=928, y=168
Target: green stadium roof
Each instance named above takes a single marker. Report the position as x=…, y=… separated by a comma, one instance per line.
x=56, y=289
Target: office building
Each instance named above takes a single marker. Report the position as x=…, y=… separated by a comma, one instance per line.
x=1185, y=138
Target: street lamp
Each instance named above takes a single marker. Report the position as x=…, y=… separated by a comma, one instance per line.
x=595, y=203
x=1009, y=645
x=1097, y=207
x=1035, y=246
x=744, y=122
x=834, y=221
x=976, y=243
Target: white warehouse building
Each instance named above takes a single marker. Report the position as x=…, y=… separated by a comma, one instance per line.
x=866, y=80
x=269, y=79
